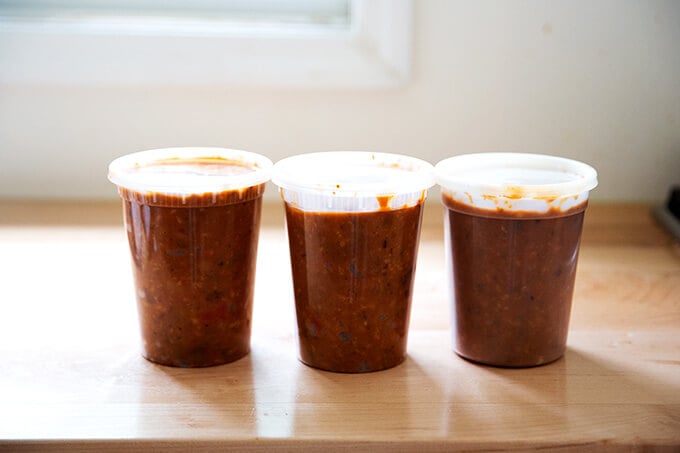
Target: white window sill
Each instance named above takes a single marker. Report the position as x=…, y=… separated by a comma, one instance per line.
x=375, y=52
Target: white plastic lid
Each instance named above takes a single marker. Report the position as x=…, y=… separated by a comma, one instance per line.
x=352, y=180
x=353, y=173
x=516, y=175
x=524, y=181
x=188, y=171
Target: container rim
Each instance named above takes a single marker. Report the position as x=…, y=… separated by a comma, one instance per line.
x=515, y=175
x=121, y=171
x=353, y=173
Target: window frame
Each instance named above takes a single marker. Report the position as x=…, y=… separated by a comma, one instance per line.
x=375, y=52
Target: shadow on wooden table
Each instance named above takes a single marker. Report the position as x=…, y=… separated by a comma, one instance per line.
x=212, y=402
x=353, y=406
x=583, y=395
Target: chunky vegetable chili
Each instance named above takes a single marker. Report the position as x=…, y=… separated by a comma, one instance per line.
x=194, y=267
x=353, y=278
x=513, y=282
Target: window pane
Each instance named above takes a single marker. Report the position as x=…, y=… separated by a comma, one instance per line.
x=294, y=11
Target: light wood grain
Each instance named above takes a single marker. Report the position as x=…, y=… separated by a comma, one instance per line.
x=71, y=376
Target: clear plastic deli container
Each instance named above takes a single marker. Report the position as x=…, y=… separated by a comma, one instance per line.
x=192, y=217
x=513, y=227
x=353, y=220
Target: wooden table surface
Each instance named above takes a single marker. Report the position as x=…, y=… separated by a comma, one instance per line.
x=71, y=376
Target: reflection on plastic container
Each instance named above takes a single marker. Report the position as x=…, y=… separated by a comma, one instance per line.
x=353, y=221
x=513, y=226
x=192, y=218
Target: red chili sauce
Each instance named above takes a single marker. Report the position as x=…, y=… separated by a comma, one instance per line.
x=513, y=281
x=353, y=279
x=194, y=268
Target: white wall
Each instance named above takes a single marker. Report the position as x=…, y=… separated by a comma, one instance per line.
x=592, y=80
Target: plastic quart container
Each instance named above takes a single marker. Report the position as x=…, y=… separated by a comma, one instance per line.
x=353, y=221
x=192, y=217
x=513, y=225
